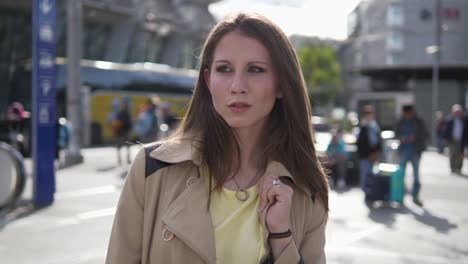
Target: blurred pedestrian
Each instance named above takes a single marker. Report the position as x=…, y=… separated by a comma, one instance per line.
x=62, y=131
x=115, y=108
x=15, y=120
x=121, y=127
x=15, y=116
x=439, y=130
x=147, y=123
x=168, y=119
x=221, y=189
x=336, y=157
x=412, y=133
x=369, y=143
x=453, y=136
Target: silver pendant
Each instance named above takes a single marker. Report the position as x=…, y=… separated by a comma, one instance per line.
x=242, y=195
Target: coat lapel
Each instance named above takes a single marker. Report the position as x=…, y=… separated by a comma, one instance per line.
x=189, y=219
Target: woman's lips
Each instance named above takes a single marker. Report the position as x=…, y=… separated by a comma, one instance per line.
x=239, y=107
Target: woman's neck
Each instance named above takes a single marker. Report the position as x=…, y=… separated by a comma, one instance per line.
x=249, y=152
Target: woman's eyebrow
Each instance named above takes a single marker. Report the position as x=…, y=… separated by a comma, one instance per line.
x=249, y=63
x=259, y=62
x=222, y=61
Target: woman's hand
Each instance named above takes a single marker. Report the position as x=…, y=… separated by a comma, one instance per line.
x=275, y=203
x=275, y=209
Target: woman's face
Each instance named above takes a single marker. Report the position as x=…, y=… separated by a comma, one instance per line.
x=242, y=81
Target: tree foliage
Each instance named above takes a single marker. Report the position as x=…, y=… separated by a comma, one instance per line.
x=321, y=73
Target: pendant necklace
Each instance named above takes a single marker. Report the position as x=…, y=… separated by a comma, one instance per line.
x=241, y=193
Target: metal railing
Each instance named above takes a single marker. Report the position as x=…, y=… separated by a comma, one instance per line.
x=12, y=175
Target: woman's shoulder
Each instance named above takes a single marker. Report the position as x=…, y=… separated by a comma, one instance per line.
x=176, y=150
x=151, y=171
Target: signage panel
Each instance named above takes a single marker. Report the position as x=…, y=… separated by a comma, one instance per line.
x=44, y=102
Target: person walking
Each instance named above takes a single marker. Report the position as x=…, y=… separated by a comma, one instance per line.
x=369, y=144
x=169, y=119
x=239, y=181
x=15, y=118
x=146, y=125
x=412, y=133
x=336, y=159
x=121, y=127
x=453, y=137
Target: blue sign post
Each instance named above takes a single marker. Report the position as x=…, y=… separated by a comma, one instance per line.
x=43, y=104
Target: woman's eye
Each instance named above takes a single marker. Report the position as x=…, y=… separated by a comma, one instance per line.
x=223, y=68
x=256, y=69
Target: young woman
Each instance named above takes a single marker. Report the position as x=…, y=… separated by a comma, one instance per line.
x=240, y=181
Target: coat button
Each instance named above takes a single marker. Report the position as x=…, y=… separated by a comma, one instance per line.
x=167, y=235
x=191, y=181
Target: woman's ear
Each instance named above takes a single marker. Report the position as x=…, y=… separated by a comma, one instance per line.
x=206, y=76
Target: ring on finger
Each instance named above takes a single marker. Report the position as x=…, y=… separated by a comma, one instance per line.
x=276, y=182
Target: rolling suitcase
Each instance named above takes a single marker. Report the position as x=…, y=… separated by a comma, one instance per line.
x=397, y=187
x=385, y=183
x=377, y=187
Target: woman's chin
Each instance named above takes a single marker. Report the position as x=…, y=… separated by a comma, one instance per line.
x=244, y=123
x=237, y=124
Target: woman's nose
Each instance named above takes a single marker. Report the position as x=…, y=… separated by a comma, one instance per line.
x=238, y=84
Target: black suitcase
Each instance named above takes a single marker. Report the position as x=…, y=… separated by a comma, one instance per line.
x=377, y=188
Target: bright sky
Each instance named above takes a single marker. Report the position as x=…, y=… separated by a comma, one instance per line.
x=322, y=18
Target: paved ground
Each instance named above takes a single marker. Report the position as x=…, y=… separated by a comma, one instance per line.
x=75, y=229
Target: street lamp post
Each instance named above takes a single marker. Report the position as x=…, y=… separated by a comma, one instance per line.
x=74, y=45
x=435, y=69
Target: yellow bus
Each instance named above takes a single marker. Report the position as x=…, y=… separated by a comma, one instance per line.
x=103, y=82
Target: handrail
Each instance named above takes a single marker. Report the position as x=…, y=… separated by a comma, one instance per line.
x=20, y=180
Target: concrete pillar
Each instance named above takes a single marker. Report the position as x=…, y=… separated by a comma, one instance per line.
x=74, y=50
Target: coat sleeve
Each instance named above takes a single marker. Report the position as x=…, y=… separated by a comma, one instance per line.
x=125, y=245
x=311, y=250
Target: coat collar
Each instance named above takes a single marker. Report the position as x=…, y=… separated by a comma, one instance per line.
x=186, y=148
x=177, y=150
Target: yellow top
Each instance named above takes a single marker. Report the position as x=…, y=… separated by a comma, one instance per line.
x=237, y=227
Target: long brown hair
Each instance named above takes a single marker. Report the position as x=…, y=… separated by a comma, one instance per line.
x=286, y=138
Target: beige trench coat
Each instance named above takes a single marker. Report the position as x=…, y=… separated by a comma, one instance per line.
x=163, y=217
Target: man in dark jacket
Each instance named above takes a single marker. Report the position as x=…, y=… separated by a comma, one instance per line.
x=454, y=138
x=412, y=133
x=368, y=143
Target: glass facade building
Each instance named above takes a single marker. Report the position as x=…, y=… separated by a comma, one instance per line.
x=125, y=31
